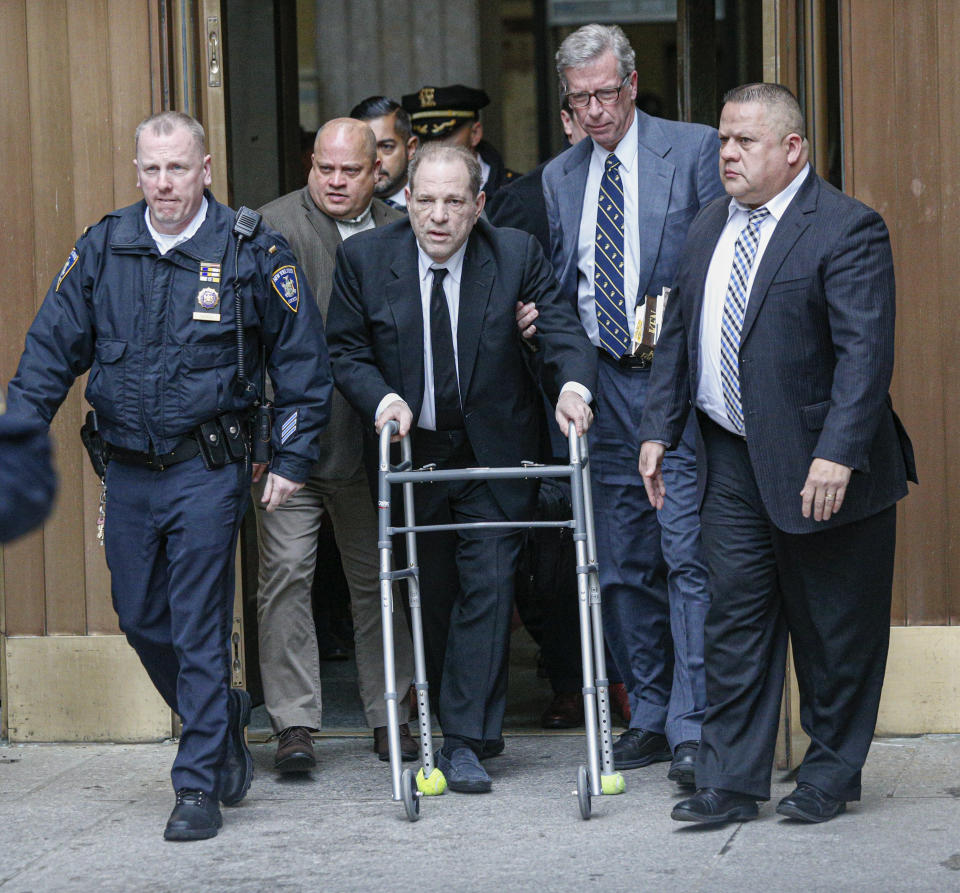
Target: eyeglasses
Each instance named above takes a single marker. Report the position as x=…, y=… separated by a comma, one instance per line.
x=605, y=96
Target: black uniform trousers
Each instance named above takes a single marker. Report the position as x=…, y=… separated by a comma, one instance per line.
x=467, y=589
x=830, y=590
x=170, y=541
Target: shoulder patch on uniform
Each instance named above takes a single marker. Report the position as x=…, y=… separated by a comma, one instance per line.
x=67, y=267
x=286, y=285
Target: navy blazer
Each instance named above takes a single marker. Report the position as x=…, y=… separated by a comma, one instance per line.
x=678, y=172
x=375, y=333
x=816, y=355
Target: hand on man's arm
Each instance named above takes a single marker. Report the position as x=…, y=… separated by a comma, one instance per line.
x=526, y=314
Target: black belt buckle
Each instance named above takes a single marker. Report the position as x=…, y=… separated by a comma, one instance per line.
x=637, y=360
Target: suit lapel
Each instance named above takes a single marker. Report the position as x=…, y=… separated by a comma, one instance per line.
x=403, y=297
x=793, y=222
x=476, y=282
x=655, y=180
x=715, y=220
x=570, y=199
x=322, y=225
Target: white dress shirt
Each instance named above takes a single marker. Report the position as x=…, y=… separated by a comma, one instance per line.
x=626, y=151
x=166, y=242
x=709, y=388
x=355, y=225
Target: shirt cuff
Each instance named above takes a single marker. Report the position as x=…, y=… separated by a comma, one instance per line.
x=578, y=388
x=384, y=403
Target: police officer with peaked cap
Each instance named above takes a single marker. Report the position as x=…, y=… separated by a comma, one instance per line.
x=452, y=115
x=146, y=302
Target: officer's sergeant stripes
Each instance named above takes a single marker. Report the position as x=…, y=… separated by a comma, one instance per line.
x=608, y=263
x=734, y=308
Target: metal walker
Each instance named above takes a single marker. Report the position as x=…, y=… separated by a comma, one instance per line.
x=598, y=775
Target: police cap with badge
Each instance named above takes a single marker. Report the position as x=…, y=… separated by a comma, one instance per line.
x=436, y=112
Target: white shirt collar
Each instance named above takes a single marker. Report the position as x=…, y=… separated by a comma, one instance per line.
x=778, y=204
x=165, y=241
x=453, y=264
x=626, y=149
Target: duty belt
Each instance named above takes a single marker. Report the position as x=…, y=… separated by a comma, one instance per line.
x=186, y=449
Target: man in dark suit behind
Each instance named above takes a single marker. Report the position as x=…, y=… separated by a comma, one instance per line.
x=423, y=332
x=336, y=203
x=781, y=332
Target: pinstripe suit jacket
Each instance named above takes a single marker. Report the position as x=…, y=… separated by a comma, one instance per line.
x=816, y=355
x=314, y=238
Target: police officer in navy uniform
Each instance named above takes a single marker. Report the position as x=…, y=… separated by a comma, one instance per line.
x=146, y=302
x=451, y=115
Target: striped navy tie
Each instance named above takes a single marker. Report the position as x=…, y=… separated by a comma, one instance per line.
x=734, y=308
x=608, y=263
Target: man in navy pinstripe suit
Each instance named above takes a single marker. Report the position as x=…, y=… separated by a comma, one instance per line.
x=780, y=331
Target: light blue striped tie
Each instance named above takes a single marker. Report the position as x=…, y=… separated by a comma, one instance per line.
x=608, y=263
x=734, y=308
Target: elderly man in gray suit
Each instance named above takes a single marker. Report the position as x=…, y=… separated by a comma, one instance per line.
x=336, y=203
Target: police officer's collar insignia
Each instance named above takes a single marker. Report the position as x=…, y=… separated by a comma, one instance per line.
x=287, y=286
x=67, y=267
x=209, y=272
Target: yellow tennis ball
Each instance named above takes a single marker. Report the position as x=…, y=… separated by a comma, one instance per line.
x=612, y=784
x=432, y=785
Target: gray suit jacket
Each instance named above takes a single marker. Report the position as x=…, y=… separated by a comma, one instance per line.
x=314, y=238
x=678, y=174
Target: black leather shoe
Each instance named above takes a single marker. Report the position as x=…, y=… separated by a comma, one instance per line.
x=636, y=748
x=565, y=711
x=195, y=817
x=810, y=804
x=295, y=750
x=236, y=773
x=684, y=758
x=409, y=749
x=713, y=806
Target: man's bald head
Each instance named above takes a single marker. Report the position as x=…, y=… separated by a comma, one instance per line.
x=345, y=168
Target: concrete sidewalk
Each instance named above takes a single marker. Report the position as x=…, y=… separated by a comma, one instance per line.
x=90, y=817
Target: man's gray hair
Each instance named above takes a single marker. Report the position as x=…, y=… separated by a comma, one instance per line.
x=434, y=151
x=777, y=99
x=165, y=123
x=589, y=42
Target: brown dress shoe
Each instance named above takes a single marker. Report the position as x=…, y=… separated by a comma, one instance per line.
x=409, y=749
x=565, y=711
x=295, y=750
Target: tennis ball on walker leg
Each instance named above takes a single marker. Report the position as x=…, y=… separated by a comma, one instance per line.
x=431, y=785
x=612, y=784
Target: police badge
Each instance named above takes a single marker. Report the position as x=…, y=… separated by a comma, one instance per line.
x=207, y=305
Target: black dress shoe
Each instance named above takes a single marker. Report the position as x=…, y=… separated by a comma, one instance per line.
x=713, y=806
x=236, y=773
x=195, y=817
x=409, y=749
x=810, y=804
x=565, y=711
x=636, y=748
x=684, y=758
x=295, y=750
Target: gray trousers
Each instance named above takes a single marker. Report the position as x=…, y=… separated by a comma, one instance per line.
x=289, y=658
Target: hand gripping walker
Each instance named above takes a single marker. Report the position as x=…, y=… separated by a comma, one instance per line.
x=598, y=775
